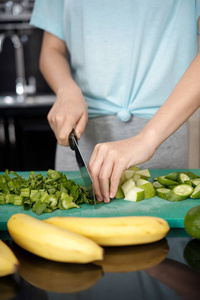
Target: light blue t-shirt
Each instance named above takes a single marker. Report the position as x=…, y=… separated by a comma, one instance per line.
x=126, y=58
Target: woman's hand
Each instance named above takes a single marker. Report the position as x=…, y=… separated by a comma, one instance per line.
x=69, y=110
x=109, y=160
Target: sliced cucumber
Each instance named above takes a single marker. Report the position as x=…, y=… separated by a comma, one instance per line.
x=196, y=192
x=196, y=182
x=141, y=181
x=127, y=174
x=180, y=192
x=134, y=168
x=191, y=174
x=184, y=178
x=127, y=186
x=149, y=190
x=157, y=185
x=143, y=173
x=170, y=187
x=135, y=194
x=162, y=192
x=173, y=176
x=164, y=181
x=136, y=177
x=119, y=193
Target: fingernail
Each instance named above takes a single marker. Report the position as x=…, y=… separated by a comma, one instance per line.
x=78, y=135
x=106, y=200
x=99, y=199
x=111, y=195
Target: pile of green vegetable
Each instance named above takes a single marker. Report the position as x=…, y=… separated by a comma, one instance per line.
x=42, y=194
x=178, y=186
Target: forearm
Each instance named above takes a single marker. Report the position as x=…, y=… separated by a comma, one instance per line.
x=54, y=64
x=70, y=108
x=181, y=104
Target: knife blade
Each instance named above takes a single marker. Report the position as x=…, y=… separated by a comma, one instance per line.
x=73, y=143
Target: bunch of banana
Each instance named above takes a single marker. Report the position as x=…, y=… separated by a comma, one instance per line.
x=55, y=276
x=8, y=261
x=115, y=231
x=133, y=258
x=52, y=242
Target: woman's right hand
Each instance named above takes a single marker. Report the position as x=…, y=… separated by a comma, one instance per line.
x=68, y=111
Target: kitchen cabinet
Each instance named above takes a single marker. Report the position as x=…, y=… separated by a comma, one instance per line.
x=26, y=139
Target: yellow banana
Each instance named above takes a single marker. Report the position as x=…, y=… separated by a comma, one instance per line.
x=52, y=242
x=133, y=258
x=8, y=261
x=54, y=276
x=115, y=231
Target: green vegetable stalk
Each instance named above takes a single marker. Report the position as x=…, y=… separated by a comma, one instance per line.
x=42, y=194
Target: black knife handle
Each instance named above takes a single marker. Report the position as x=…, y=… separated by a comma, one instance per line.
x=72, y=139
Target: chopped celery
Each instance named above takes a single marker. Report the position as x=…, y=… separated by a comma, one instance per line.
x=2, y=198
x=18, y=200
x=27, y=204
x=42, y=194
x=44, y=197
x=53, y=201
x=69, y=204
x=25, y=192
x=54, y=174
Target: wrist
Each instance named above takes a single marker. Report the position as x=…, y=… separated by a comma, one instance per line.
x=66, y=86
x=151, y=138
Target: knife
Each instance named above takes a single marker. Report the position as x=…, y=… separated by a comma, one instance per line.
x=73, y=143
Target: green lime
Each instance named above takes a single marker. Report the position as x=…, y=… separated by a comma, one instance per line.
x=192, y=254
x=192, y=222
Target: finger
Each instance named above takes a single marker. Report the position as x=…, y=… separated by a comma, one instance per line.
x=94, y=155
x=80, y=126
x=104, y=176
x=114, y=179
x=64, y=132
x=94, y=167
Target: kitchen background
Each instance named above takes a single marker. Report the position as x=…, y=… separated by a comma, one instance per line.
x=26, y=139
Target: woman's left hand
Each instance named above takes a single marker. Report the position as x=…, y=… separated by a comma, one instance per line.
x=109, y=160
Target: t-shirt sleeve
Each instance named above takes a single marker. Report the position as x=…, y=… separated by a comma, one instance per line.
x=198, y=14
x=48, y=15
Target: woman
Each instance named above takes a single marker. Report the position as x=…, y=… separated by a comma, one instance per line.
x=133, y=71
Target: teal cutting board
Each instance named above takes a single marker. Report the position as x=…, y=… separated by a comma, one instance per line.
x=172, y=212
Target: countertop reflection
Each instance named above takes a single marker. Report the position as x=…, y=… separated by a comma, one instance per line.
x=168, y=269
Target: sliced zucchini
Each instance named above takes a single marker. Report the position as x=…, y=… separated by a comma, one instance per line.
x=180, y=192
x=164, y=181
x=196, y=192
x=162, y=192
